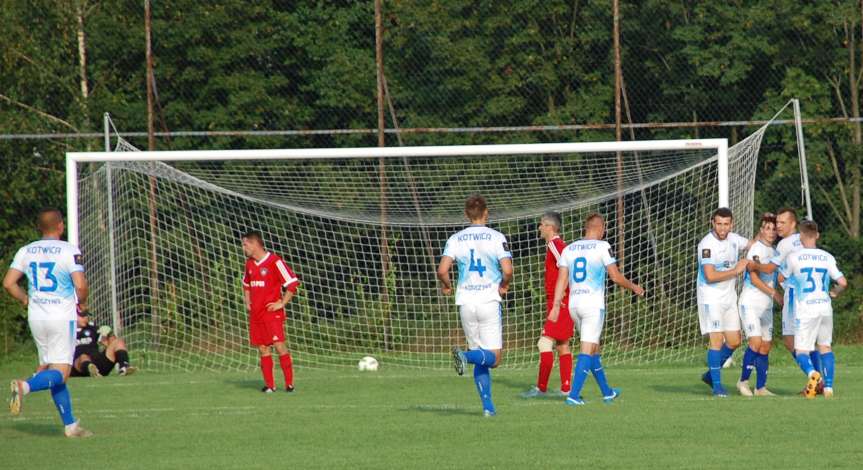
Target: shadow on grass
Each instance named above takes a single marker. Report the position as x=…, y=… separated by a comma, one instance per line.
x=443, y=410
x=38, y=429
x=694, y=389
x=245, y=384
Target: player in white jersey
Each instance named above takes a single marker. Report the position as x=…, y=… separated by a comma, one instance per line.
x=583, y=267
x=786, y=227
x=756, y=310
x=484, y=273
x=718, y=268
x=809, y=272
x=56, y=287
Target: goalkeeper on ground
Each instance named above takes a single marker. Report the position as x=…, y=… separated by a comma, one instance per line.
x=98, y=350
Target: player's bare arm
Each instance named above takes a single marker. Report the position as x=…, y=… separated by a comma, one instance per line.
x=712, y=275
x=507, y=270
x=247, y=299
x=82, y=289
x=559, y=290
x=618, y=278
x=841, y=285
x=276, y=306
x=443, y=274
x=10, y=283
x=760, y=285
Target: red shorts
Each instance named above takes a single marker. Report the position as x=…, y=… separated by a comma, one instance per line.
x=562, y=329
x=267, y=331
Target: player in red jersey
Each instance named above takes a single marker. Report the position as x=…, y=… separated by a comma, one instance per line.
x=554, y=334
x=265, y=276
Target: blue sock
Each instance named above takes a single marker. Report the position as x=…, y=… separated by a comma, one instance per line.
x=599, y=375
x=480, y=357
x=762, y=363
x=44, y=380
x=714, y=362
x=60, y=394
x=749, y=358
x=726, y=353
x=805, y=363
x=828, y=362
x=815, y=357
x=582, y=368
x=482, y=378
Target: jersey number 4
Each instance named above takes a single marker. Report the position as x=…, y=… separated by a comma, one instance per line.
x=810, y=281
x=476, y=264
x=39, y=284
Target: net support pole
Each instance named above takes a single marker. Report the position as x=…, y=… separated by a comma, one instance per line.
x=801, y=151
x=72, y=199
x=722, y=172
x=109, y=186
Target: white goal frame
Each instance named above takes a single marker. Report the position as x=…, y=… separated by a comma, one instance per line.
x=74, y=158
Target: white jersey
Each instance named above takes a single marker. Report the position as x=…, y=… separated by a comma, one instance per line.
x=809, y=271
x=751, y=295
x=477, y=251
x=48, y=265
x=587, y=262
x=722, y=255
x=785, y=247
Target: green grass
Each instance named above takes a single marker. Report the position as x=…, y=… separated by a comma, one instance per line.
x=401, y=418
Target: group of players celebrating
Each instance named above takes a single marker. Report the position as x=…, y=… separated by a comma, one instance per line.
x=575, y=282
x=796, y=266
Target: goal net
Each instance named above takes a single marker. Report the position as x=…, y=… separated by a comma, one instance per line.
x=364, y=230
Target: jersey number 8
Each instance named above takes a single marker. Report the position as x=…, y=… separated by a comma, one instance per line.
x=579, y=269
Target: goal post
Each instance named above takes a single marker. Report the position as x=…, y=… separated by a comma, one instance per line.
x=173, y=289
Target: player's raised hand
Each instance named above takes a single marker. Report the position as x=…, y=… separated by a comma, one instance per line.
x=446, y=290
x=637, y=290
x=275, y=306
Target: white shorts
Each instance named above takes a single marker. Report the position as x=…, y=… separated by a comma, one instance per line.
x=55, y=340
x=757, y=321
x=788, y=313
x=483, y=326
x=809, y=331
x=718, y=318
x=588, y=322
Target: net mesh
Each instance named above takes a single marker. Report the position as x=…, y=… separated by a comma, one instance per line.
x=162, y=243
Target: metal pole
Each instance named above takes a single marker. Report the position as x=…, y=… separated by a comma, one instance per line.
x=382, y=175
x=618, y=136
x=801, y=152
x=106, y=122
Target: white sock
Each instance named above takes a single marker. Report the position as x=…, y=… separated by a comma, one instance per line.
x=25, y=387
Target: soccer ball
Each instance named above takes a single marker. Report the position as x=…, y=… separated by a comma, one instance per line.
x=368, y=363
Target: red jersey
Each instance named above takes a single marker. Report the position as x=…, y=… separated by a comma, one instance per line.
x=552, y=255
x=562, y=329
x=265, y=280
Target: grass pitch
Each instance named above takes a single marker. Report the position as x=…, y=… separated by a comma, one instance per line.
x=402, y=418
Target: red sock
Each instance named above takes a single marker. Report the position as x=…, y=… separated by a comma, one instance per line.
x=565, y=372
x=267, y=370
x=546, y=362
x=287, y=369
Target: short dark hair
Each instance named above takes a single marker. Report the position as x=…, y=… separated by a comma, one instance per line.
x=474, y=207
x=254, y=235
x=787, y=210
x=49, y=219
x=554, y=219
x=722, y=212
x=808, y=228
x=768, y=218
